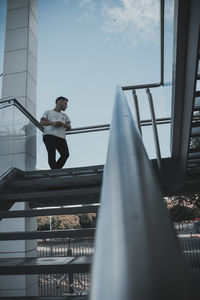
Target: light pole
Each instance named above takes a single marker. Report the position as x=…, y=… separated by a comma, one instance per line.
x=50, y=228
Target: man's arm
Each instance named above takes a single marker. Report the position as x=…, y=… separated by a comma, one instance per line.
x=45, y=122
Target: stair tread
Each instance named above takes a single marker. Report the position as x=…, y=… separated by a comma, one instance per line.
x=97, y=169
x=58, y=194
x=194, y=155
x=50, y=211
x=45, y=265
x=42, y=184
x=195, y=124
x=195, y=151
x=30, y=235
x=195, y=129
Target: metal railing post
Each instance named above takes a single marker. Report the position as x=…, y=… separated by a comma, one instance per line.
x=137, y=112
x=155, y=131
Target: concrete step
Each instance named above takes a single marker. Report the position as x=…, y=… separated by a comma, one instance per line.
x=83, y=209
x=45, y=265
x=55, y=198
x=47, y=184
x=31, y=235
x=79, y=171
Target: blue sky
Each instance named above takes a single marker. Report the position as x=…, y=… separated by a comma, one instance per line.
x=86, y=48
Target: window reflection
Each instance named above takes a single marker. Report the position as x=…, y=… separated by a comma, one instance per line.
x=17, y=140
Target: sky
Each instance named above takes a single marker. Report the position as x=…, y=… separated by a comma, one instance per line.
x=85, y=49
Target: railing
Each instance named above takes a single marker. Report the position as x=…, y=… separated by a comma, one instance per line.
x=154, y=85
x=102, y=127
x=136, y=253
x=13, y=101
x=133, y=88
x=153, y=121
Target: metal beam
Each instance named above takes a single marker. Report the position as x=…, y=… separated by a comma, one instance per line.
x=97, y=169
x=49, y=212
x=42, y=184
x=35, y=235
x=45, y=265
x=55, y=195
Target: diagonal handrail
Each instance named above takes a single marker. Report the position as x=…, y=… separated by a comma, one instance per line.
x=85, y=129
x=13, y=101
x=137, y=254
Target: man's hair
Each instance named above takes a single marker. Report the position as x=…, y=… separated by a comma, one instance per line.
x=61, y=98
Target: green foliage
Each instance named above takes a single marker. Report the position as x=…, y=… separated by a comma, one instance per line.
x=43, y=223
x=87, y=220
x=67, y=222
x=182, y=208
x=180, y=213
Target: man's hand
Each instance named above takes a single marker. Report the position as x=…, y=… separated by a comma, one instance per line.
x=68, y=125
x=59, y=124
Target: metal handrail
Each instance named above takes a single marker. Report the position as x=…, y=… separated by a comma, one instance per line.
x=161, y=82
x=85, y=129
x=151, y=85
x=15, y=102
x=137, y=255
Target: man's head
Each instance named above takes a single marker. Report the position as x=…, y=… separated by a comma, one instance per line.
x=61, y=103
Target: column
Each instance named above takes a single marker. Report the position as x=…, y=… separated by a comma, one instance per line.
x=18, y=143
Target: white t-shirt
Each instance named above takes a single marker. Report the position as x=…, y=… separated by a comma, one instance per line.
x=53, y=116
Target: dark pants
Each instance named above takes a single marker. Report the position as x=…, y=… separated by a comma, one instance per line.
x=52, y=144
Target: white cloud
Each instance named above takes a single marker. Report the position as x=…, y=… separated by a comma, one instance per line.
x=85, y=2
x=87, y=8
x=90, y=4
x=137, y=20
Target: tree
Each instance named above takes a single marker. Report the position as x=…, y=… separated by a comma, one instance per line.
x=43, y=223
x=59, y=222
x=87, y=220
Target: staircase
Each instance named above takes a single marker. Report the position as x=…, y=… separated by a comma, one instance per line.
x=48, y=193
x=193, y=159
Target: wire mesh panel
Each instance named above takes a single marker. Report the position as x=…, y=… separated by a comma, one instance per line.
x=70, y=247
x=65, y=284
x=190, y=247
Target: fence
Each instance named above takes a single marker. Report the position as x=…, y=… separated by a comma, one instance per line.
x=190, y=247
x=79, y=284
x=65, y=284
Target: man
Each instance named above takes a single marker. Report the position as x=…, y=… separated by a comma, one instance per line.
x=55, y=123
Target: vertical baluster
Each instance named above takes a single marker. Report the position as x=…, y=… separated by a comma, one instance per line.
x=154, y=126
x=135, y=98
